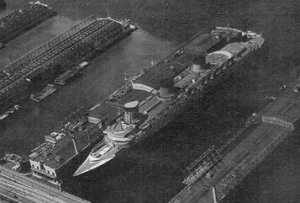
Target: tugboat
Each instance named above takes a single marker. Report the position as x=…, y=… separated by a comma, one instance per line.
x=10, y=111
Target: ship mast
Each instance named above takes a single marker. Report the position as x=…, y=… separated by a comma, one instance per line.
x=107, y=9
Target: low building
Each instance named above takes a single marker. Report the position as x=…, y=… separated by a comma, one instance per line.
x=48, y=160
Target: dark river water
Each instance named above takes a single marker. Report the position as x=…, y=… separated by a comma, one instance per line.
x=153, y=170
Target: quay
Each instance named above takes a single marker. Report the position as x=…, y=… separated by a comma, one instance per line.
x=214, y=174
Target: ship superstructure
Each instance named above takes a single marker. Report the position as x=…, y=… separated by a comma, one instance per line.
x=151, y=99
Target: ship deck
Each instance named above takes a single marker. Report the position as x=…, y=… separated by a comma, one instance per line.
x=259, y=142
x=168, y=68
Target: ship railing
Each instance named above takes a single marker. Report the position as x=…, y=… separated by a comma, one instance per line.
x=120, y=92
x=39, y=3
x=40, y=149
x=248, y=33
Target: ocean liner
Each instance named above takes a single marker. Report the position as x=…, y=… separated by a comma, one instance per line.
x=151, y=99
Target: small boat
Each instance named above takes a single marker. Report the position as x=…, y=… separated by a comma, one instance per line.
x=48, y=90
x=70, y=74
x=10, y=111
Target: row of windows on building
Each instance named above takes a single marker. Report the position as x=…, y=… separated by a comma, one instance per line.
x=38, y=167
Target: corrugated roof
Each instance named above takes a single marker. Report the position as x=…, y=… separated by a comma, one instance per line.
x=164, y=71
x=64, y=149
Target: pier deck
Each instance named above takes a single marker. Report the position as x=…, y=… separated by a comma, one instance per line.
x=276, y=122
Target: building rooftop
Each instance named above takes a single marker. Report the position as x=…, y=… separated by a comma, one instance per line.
x=163, y=71
x=57, y=154
x=288, y=108
x=247, y=150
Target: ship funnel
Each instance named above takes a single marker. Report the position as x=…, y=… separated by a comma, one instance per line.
x=131, y=111
x=164, y=92
x=196, y=66
x=165, y=89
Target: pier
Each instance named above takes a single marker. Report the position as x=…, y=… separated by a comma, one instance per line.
x=14, y=23
x=58, y=54
x=217, y=172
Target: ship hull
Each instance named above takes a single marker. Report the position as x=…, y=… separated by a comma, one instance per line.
x=90, y=164
x=195, y=91
x=178, y=107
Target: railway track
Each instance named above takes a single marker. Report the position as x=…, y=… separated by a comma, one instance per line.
x=19, y=188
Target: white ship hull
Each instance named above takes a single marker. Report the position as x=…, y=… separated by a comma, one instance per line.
x=90, y=163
